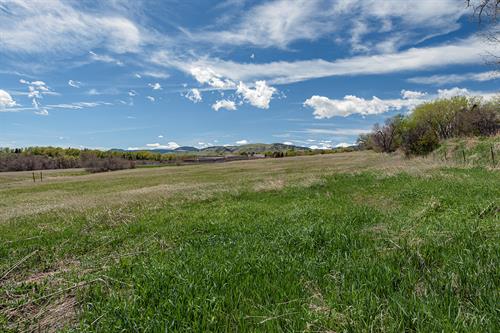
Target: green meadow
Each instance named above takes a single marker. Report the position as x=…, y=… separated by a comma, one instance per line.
x=348, y=242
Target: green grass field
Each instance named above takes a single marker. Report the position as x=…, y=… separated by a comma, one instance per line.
x=330, y=243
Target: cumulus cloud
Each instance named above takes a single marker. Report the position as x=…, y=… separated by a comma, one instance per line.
x=155, y=86
x=343, y=145
x=6, y=100
x=455, y=78
x=194, y=95
x=224, y=104
x=260, y=96
x=409, y=94
x=242, y=142
x=151, y=98
x=453, y=92
x=74, y=84
x=36, y=90
x=325, y=107
x=170, y=145
x=206, y=75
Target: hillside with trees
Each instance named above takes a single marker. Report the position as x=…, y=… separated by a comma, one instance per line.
x=423, y=130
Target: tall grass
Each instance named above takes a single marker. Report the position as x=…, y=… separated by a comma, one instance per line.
x=365, y=252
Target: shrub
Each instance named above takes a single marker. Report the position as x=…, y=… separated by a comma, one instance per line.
x=420, y=132
x=93, y=164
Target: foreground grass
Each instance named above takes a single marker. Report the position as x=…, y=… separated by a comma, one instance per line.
x=350, y=252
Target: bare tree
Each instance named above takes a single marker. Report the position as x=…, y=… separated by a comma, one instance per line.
x=486, y=13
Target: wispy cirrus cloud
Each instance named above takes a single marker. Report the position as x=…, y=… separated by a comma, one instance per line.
x=74, y=83
x=280, y=23
x=440, y=80
x=212, y=71
x=60, y=28
x=78, y=105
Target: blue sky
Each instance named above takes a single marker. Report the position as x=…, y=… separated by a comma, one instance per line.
x=158, y=74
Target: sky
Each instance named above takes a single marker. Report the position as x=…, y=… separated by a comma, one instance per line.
x=166, y=73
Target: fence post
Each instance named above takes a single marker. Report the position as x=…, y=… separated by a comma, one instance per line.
x=33, y=177
x=41, y=177
x=492, y=156
x=463, y=154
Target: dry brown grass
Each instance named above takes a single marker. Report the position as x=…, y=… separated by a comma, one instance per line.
x=73, y=190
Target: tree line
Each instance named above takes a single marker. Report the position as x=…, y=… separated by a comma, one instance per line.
x=421, y=131
x=44, y=158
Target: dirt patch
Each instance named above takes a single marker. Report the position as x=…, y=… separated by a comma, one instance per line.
x=55, y=316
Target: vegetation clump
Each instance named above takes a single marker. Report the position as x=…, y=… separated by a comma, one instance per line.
x=422, y=131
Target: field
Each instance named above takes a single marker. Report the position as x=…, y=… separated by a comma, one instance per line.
x=346, y=242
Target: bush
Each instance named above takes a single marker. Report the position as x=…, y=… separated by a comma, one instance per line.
x=94, y=164
x=420, y=132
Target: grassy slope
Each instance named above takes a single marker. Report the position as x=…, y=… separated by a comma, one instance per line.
x=477, y=151
x=377, y=250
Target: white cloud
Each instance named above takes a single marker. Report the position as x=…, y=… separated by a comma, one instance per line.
x=74, y=84
x=224, y=104
x=155, y=74
x=36, y=90
x=321, y=146
x=419, y=21
x=170, y=145
x=344, y=145
x=453, y=92
x=60, y=28
x=155, y=86
x=274, y=23
x=104, y=58
x=42, y=112
x=242, y=142
x=194, y=95
x=455, y=78
x=40, y=84
x=409, y=94
x=151, y=98
x=466, y=51
x=259, y=97
x=132, y=93
x=138, y=76
x=6, y=100
x=325, y=107
x=77, y=105
x=289, y=143
x=160, y=136
x=337, y=131
x=280, y=23
x=206, y=75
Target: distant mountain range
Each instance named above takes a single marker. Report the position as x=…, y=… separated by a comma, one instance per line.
x=257, y=148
